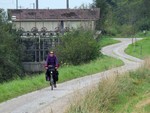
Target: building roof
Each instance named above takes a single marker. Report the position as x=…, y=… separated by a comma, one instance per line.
x=54, y=14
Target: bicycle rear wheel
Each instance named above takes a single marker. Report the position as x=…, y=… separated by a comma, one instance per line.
x=51, y=86
x=51, y=83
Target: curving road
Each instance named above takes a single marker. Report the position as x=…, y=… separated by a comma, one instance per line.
x=47, y=101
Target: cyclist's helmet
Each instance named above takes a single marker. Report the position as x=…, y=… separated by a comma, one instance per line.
x=51, y=52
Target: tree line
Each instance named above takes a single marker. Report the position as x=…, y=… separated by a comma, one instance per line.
x=125, y=17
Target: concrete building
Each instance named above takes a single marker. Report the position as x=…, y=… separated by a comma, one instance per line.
x=53, y=19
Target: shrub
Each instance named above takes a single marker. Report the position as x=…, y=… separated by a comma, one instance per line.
x=77, y=46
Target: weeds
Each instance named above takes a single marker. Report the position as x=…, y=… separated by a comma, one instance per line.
x=115, y=94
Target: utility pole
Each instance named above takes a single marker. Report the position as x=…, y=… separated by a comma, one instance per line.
x=67, y=4
x=37, y=4
x=33, y=5
x=16, y=4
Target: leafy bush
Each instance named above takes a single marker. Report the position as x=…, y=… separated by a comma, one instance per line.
x=77, y=46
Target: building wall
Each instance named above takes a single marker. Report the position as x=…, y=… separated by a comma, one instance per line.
x=51, y=26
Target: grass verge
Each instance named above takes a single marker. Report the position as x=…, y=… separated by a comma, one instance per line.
x=21, y=86
x=105, y=40
x=99, y=65
x=140, y=49
x=128, y=93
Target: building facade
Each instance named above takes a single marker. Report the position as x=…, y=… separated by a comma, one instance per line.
x=53, y=19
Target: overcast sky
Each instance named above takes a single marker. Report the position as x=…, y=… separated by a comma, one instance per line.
x=51, y=4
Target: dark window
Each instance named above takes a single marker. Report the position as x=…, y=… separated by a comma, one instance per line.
x=62, y=24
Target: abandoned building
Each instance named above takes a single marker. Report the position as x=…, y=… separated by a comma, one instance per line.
x=40, y=29
x=54, y=19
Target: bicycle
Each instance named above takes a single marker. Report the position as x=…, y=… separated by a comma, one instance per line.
x=51, y=69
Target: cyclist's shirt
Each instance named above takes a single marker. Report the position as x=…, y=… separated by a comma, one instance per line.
x=52, y=61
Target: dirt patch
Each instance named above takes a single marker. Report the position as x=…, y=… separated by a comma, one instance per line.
x=143, y=103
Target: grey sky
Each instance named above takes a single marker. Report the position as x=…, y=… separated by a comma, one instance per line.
x=51, y=4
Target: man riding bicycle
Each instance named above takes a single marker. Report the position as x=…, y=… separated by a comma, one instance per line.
x=53, y=62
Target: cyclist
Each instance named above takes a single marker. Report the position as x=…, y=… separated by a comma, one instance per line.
x=52, y=61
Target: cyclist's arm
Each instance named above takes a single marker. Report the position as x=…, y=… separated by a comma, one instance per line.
x=56, y=62
x=46, y=64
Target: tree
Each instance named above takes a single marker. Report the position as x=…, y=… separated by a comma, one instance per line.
x=102, y=4
x=117, y=16
x=143, y=22
x=77, y=47
x=10, y=50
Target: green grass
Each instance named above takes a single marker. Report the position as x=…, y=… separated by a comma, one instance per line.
x=140, y=49
x=117, y=94
x=137, y=90
x=147, y=108
x=105, y=40
x=101, y=64
x=18, y=87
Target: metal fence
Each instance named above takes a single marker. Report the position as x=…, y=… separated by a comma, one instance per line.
x=36, y=47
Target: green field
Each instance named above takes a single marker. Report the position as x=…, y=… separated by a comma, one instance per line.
x=140, y=49
x=28, y=84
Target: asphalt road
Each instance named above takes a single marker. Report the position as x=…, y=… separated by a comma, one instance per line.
x=56, y=101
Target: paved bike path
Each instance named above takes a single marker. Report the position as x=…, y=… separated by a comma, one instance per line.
x=56, y=101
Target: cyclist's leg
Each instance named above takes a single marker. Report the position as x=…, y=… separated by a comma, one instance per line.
x=56, y=72
x=54, y=78
x=48, y=74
